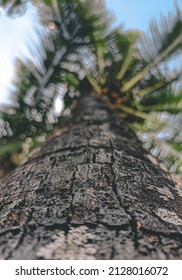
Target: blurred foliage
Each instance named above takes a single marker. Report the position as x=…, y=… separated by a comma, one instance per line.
x=130, y=69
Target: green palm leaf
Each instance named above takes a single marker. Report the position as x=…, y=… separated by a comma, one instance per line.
x=163, y=100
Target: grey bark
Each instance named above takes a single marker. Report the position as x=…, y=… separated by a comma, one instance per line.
x=91, y=193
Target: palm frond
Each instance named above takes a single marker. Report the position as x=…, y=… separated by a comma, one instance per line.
x=126, y=63
x=161, y=36
x=162, y=100
x=163, y=44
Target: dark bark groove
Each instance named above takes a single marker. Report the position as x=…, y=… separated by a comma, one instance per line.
x=91, y=193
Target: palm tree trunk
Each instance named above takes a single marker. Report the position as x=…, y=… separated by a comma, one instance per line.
x=90, y=193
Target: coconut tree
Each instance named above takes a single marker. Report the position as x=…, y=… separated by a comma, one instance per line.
x=92, y=190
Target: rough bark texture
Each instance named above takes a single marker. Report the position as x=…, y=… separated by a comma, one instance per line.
x=91, y=193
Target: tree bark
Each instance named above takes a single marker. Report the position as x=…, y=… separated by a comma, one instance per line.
x=91, y=193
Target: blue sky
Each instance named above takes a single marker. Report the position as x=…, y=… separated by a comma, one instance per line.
x=135, y=14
